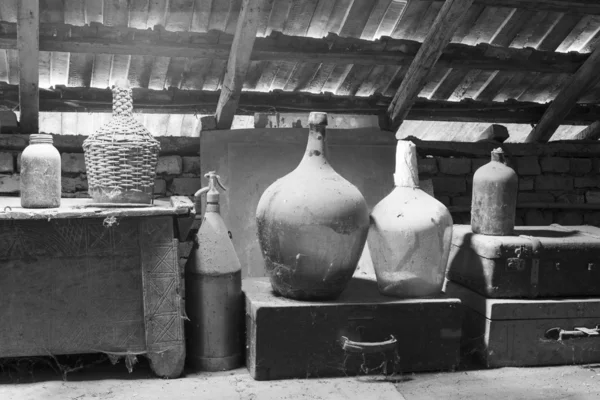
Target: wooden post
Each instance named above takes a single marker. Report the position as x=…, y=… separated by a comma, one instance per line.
x=592, y=132
x=239, y=62
x=28, y=36
x=586, y=77
x=447, y=21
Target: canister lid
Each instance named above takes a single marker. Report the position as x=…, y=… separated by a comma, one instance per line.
x=37, y=138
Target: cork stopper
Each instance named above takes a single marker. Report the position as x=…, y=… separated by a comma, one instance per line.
x=317, y=118
x=407, y=171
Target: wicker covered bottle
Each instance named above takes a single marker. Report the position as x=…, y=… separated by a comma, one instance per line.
x=121, y=157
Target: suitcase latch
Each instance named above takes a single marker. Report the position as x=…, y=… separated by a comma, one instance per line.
x=523, y=252
x=534, y=253
x=516, y=264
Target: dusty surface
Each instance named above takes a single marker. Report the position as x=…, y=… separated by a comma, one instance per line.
x=568, y=382
x=114, y=382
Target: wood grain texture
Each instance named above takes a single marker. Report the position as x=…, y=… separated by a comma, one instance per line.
x=163, y=311
x=290, y=339
x=439, y=35
x=83, y=208
x=204, y=102
x=28, y=25
x=592, y=132
x=585, y=77
x=93, y=288
x=84, y=284
x=239, y=62
x=283, y=47
x=511, y=333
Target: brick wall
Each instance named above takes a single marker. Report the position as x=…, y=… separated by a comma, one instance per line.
x=559, y=174
x=176, y=175
x=542, y=179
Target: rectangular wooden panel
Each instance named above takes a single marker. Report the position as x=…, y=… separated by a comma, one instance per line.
x=551, y=261
x=521, y=341
x=70, y=286
x=293, y=339
x=162, y=283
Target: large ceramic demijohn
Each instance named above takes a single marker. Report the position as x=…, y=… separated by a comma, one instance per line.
x=312, y=225
x=410, y=234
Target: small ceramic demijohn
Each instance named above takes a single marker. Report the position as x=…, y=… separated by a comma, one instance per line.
x=410, y=234
x=312, y=225
x=494, y=202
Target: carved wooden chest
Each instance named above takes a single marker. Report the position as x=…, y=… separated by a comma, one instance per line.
x=83, y=280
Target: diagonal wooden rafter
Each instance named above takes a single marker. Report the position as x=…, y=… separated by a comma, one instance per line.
x=239, y=61
x=447, y=21
x=586, y=76
x=592, y=132
x=28, y=23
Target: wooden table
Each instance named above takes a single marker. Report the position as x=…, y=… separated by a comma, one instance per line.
x=85, y=279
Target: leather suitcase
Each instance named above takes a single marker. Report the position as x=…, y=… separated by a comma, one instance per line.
x=528, y=332
x=360, y=333
x=537, y=261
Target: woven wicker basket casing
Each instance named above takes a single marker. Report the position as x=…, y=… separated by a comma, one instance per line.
x=121, y=156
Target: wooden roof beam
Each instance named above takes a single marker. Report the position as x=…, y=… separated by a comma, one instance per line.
x=276, y=47
x=446, y=22
x=592, y=132
x=239, y=62
x=571, y=6
x=28, y=25
x=68, y=99
x=587, y=76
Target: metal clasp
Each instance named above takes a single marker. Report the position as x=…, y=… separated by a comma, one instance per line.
x=515, y=264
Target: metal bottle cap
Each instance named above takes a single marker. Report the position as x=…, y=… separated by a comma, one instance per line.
x=212, y=194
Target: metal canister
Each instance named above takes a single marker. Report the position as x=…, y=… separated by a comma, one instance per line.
x=213, y=291
x=494, y=201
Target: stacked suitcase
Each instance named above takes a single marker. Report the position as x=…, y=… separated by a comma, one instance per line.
x=297, y=339
x=530, y=299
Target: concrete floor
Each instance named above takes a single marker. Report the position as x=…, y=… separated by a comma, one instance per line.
x=114, y=382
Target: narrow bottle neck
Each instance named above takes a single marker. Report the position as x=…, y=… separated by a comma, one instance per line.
x=407, y=171
x=316, y=146
x=212, y=207
x=122, y=102
x=498, y=157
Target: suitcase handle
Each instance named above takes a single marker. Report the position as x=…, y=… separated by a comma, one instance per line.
x=364, y=347
x=578, y=333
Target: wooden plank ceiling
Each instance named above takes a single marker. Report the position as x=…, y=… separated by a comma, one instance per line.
x=454, y=78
